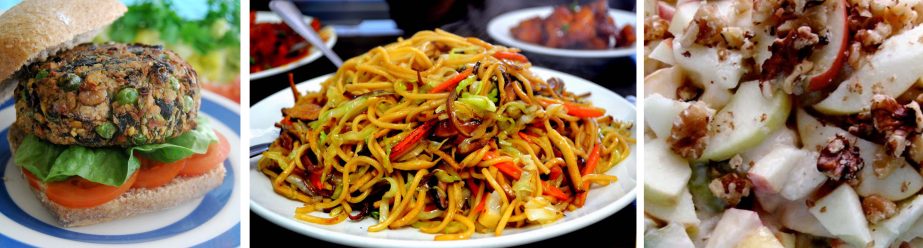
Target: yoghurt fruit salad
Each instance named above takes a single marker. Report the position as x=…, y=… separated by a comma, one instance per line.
x=783, y=123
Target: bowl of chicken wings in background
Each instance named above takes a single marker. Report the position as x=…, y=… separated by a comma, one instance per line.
x=569, y=31
x=590, y=40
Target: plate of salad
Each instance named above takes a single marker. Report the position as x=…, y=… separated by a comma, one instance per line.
x=785, y=127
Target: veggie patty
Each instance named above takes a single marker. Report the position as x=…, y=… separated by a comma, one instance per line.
x=99, y=95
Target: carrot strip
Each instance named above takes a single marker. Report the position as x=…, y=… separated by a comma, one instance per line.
x=553, y=191
x=453, y=81
x=576, y=109
x=509, y=169
x=511, y=56
x=555, y=173
x=589, y=168
x=416, y=135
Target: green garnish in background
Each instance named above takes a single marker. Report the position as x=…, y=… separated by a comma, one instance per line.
x=211, y=44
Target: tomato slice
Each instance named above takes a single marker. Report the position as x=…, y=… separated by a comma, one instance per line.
x=199, y=164
x=76, y=192
x=33, y=181
x=155, y=173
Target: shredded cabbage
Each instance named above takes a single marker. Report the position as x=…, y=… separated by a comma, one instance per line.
x=465, y=83
x=480, y=103
x=523, y=187
x=540, y=210
x=491, y=215
x=353, y=137
x=344, y=112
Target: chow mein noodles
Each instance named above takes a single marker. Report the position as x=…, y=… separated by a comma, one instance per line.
x=445, y=134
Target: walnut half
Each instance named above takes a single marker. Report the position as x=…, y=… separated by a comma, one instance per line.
x=896, y=122
x=689, y=134
x=840, y=160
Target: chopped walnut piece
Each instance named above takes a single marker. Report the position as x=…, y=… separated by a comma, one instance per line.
x=896, y=143
x=840, y=160
x=792, y=83
x=877, y=208
x=788, y=52
x=873, y=37
x=914, y=107
x=687, y=92
x=916, y=149
x=895, y=122
x=735, y=37
x=731, y=188
x=736, y=162
x=688, y=137
x=887, y=113
x=805, y=38
x=855, y=54
x=656, y=28
x=705, y=28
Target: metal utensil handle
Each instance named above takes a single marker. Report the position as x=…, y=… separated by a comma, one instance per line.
x=293, y=17
x=258, y=149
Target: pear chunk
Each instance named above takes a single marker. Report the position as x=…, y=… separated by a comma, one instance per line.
x=671, y=236
x=841, y=213
x=762, y=237
x=889, y=230
x=683, y=212
x=746, y=121
x=659, y=113
x=666, y=173
x=735, y=226
x=772, y=171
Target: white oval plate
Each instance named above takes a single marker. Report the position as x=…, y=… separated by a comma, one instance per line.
x=265, y=16
x=499, y=29
x=211, y=221
x=601, y=203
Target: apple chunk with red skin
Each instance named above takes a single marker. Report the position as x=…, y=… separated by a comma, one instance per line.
x=893, y=69
x=829, y=60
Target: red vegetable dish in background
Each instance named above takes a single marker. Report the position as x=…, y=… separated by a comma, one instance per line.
x=276, y=44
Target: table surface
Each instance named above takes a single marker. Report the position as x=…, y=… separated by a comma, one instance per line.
x=617, y=75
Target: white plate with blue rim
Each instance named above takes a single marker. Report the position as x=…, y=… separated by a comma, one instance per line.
x=601, y=202
x=211, y=221
x=499, y=29
x=264, y=17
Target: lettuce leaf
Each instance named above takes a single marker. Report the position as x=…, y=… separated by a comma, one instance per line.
x=37, y=156
x=109, y=166
x=195, y=141
x=50, y=162
x=102, y=165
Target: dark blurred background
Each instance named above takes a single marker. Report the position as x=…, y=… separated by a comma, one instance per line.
x=365, y=24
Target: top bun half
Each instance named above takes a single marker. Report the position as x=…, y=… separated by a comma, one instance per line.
x=36, y=29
